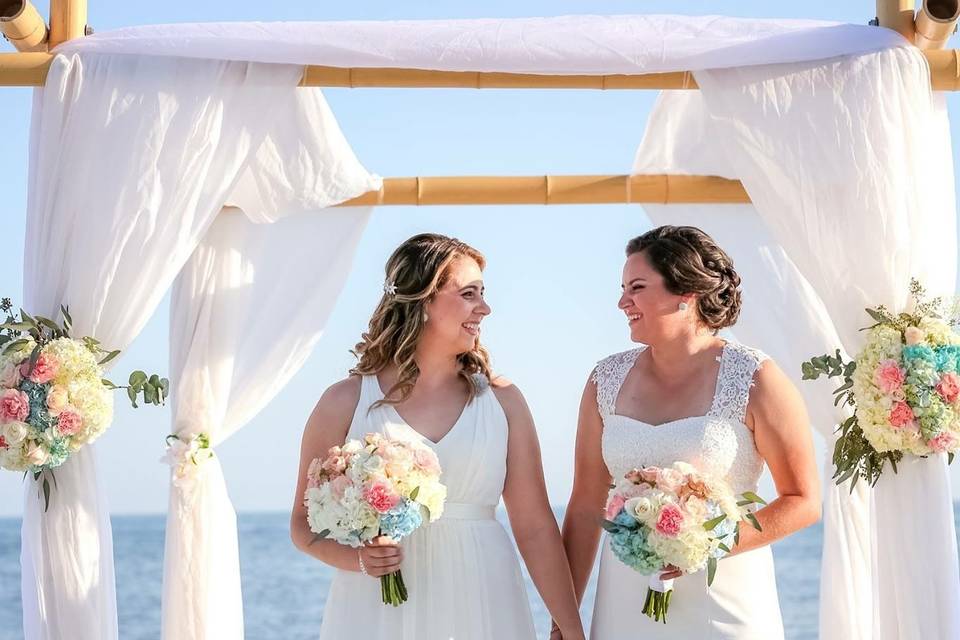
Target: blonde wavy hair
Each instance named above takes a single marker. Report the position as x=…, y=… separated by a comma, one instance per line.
x=415, y=272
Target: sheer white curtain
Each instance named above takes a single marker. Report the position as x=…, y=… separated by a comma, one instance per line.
x=131, y=159
x=246, y=312
x=847, y=163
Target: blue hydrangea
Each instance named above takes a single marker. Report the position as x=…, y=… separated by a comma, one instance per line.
x=626, y=520
x=948, y=358
x=402, y=520
x=39, y=416
x=915, y=352
x=631, y=548
x=58, y=453
x=922, y=372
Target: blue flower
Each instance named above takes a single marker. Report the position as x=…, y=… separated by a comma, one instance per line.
x=402, y=520
x=921, y=352
x=631, y=548
x=624, y=519
x=39, y=416
x=58, y=453
x=947, y=358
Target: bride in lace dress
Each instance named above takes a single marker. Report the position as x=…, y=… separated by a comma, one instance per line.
x=688, y=395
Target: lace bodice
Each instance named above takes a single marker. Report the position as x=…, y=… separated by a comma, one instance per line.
x=718, y=442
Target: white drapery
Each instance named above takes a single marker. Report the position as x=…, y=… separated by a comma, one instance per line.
x=107, y=236
x=592, y=45
x=852, y=193
x=182, y=137
x=245, y=313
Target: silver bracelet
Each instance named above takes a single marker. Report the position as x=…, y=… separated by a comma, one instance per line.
x=363, y=569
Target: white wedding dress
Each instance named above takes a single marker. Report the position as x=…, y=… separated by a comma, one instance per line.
x=742, y=602
x=462, y=574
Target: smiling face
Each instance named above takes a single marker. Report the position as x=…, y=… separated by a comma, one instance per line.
x=456, y=309
x=653, y=313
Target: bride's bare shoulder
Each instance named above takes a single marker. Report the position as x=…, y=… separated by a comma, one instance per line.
x=336, y=405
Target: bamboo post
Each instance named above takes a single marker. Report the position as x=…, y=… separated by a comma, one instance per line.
x=68, y=20
x=936, y=22
x=23, y=26
x=897, y=15
x=553, y=190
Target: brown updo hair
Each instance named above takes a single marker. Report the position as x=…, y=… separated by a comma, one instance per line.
x=691, y=263
x=415, y=272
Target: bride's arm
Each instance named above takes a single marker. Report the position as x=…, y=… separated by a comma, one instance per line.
x=781, y=429
x=327, y=427
x=533, y=523
x=591, y=483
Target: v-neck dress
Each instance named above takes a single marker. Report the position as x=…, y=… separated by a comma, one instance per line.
x=462, y=572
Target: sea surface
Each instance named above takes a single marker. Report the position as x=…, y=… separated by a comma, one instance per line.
x=284, y=590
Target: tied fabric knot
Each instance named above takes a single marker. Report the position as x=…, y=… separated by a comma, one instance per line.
x=187, y=456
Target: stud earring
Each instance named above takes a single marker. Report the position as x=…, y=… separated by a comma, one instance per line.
x=683, y=306
x=425, y=316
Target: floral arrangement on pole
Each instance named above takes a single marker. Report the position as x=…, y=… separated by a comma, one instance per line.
x=903, y=386
x=676, y=517
x=53, y=397
x=374, y=487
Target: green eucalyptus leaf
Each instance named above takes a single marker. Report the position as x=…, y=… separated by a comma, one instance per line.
x=609, y=526
x=711, y=570
x=132, y=394
x=150, y=394
x=67, y=320
x=137, y=378
x=750, y=495
x=110, y=356
x=16, y=326
x=710, y=525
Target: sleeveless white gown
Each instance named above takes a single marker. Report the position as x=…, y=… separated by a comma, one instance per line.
x=462, y=573
x=742, y=603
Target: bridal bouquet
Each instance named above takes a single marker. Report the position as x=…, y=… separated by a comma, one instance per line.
x=374, y=487
x=904, y=387
x=53, y=398
x=676, y=516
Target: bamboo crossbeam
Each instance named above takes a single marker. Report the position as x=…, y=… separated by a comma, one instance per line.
x=24, y=69
x=30, y=69
x=550, y=190
x=356, y=78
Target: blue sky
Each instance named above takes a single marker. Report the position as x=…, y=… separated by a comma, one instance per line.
x=553, y=273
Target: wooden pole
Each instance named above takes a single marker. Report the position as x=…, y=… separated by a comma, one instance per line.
x=897, y=15
x=68, y=20
x=24, y=69
x=21, y=69
x=23, y=26
x=589, y=189
x=355, y=78
x=936, y=22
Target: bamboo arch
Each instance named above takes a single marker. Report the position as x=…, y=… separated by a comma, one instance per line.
x=929, y=29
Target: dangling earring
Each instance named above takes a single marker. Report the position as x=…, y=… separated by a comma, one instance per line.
x=683, y=306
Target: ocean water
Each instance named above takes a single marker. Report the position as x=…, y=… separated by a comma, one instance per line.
x=284, y=590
